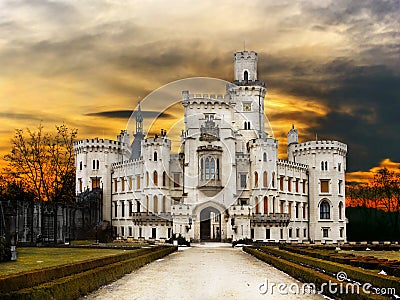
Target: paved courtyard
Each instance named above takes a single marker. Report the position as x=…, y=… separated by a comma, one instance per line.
x=209, y=271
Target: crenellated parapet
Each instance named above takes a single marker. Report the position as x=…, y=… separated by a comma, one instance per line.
x=157, y=141
x=99, y=145
x=320, y=146
x=127, y=164
x=205, y=100
x=292, y=165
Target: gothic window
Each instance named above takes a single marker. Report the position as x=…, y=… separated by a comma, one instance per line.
x=246, y=76
x=326, y=166
x=247, y=125
x=209, y=168
x=265, y=179
x=155, y=156
x=255, y=179
x=265, y=205
x=257, y=205
x=164, y=178
x=155, y=178
x=324, y=210
x=265, y=157
x=322, y=165
x=155, y=204
x=273, y=179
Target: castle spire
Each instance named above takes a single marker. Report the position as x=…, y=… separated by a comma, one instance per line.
x=139, y=120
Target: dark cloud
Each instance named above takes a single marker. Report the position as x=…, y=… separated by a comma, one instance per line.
x=126, y=114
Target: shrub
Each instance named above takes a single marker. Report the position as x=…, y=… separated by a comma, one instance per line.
x=5, y=250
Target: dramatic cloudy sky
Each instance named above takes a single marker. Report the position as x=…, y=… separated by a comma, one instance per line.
x=332, y=67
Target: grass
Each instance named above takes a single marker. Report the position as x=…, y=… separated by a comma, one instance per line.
x=391, y=255
x=113, y=244
x=37, y=258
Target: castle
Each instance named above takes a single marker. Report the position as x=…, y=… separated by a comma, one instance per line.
x=227, y=182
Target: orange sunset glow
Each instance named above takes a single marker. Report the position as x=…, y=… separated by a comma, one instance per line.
x=331, y=67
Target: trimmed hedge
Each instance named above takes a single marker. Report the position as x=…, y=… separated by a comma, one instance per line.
x=392, y=267
x=11, y=283
x=77, y=285
x=355, y=273
x=307, y=275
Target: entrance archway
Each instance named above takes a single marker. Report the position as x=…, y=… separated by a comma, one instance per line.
x=210, y=224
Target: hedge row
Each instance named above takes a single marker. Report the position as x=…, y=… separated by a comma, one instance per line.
x=391, y=267
x=77, y=285
x=366, y=276
x=308, y=275
x=9, y=283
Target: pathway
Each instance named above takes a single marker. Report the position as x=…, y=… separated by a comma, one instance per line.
x=210, y=271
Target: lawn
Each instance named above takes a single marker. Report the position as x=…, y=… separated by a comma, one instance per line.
x=36, y=258
x=391, y=255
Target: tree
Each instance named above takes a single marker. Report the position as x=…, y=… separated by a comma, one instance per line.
x=44, y=162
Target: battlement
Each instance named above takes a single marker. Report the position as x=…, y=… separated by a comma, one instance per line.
x=98, y=145
x=157, y=141
x=127, y=163
x=204, y=98
x=267, y=141
x=242, y=156
x=291, y=164
x=324, y=145
x=245, y=55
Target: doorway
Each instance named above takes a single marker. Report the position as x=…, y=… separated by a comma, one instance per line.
x=210, y=225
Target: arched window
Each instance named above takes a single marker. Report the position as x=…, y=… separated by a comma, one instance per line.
x=155, y=178
x=324, y=210
x=209, y=168
x=147, y=178
x=255, y=179
x=94, y=165
x=80, y=166
x=257, y=205
x=155, y=156
x=164, y=204
x=201, y=168
x=265, y=179
x=164, y=178
x=265, y=156
x=273, y=179
x=326, y=166
x=265, y=205
x=245, y=125
x=340, y=210
x=246, y=76
x=97, y=164
x=147, y=204
x=322, y=165
x=155, y=204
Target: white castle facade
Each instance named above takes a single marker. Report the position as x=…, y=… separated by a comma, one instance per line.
x=227, y=182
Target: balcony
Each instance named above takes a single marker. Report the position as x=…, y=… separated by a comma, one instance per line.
x=139, y=218
x=275, y=219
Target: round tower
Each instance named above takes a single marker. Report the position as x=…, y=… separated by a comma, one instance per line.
x=327, y=166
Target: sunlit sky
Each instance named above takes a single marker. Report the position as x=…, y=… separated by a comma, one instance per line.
x=331, y=67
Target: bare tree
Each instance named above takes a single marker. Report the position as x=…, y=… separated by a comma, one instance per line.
x=44, y=161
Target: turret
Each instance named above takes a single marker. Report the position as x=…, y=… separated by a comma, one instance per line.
x=292, y=139
x=245, y=66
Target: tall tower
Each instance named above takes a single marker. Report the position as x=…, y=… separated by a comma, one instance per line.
x=247, y=94
x=245, y=66
x=138, y=135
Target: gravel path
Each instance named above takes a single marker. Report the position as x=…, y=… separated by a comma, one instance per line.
x=211, y=271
